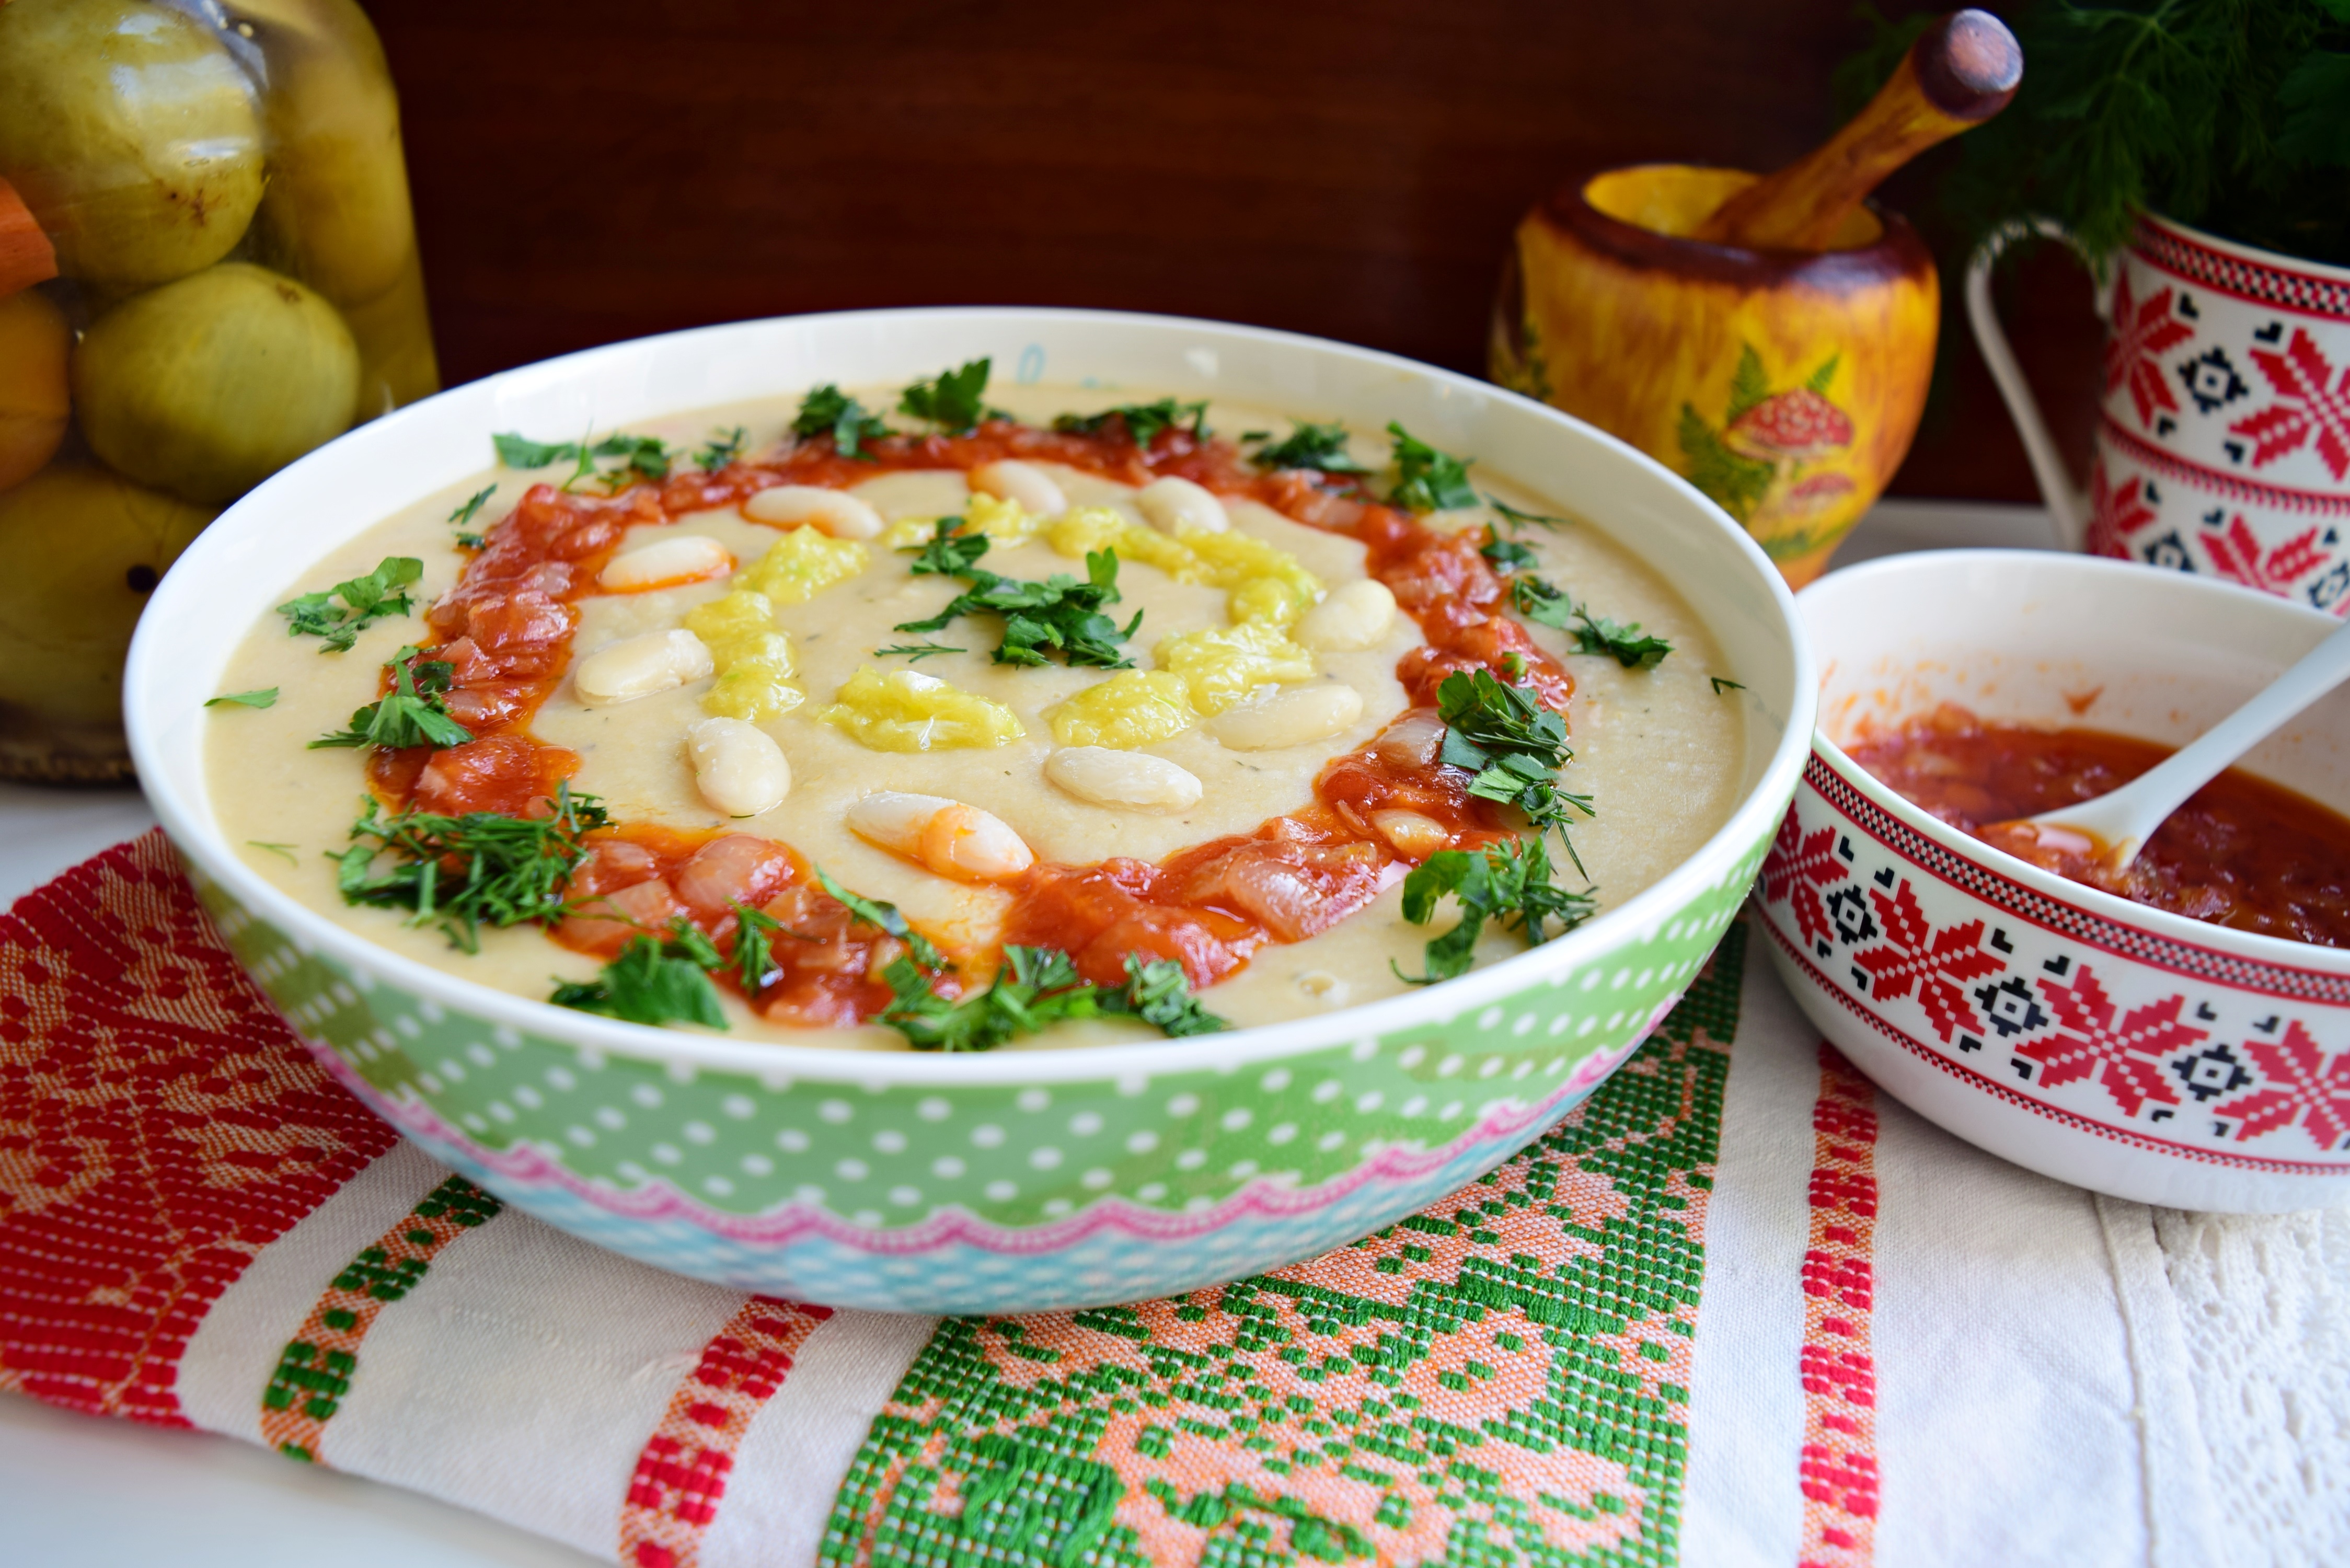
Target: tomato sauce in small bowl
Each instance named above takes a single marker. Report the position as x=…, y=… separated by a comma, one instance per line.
x=2241, y=852
x=2178, y=1034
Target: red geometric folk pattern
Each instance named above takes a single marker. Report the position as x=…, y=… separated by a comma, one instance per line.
x=1944, y=1062
x=2313, y=409
x=681, y=1475
x=2125, y=1058
x=159, y=1125
x=2117, y=510
x=2299, y=1089
x=1837, y=1470
x=2237, y=555
x=1798, y=867
x=2267, y=283
x=2142, y=331
x=1915, y=955
x=315, y=1369
x=2234, y=487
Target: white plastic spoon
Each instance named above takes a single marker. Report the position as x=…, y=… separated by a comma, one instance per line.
x=2114, y=827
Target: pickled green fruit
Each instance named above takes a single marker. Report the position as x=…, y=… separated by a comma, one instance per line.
x=84, y=549
x=397, y=365
x=336, y=213
x=131, y=134
x=208, y=386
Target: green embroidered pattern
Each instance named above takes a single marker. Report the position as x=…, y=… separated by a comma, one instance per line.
x=314, y=1371
x=1501, y=1379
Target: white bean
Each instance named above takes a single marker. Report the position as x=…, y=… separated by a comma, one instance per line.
x=740, y=769
x=1013, y=480
x=1289, y=717
x=950, y=837
x=1135, y=780
x=639, y=666
x=1178, y=506
x=834, y=512
x=1351, y=619
x=682, y=559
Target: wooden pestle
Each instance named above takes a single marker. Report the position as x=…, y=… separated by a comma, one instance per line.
x=1960, y=73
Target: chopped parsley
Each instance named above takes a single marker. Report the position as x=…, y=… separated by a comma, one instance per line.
x=953, y=400
x=1512, y=743
x=1319, y=447
x=1624, y=644
x=1507, y=883
x=829, y=410
x=915, y=652
x=1538, y=599
x=947, y=553
x=1428, y=480
x=411, y=714
x=1722, y=683
x=1517, y=519
x=647, y=457
x=1158, y=995
x=465, y=872
x=651, y=982
x=1035, y=989
x=1143, y=421
x=363, y=602
x=1506, y=556
x=267, y=697
x=885, y=918
x=1059, y=615
x=725, y=446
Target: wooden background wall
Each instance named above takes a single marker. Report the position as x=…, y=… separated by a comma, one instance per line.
x=588, y=170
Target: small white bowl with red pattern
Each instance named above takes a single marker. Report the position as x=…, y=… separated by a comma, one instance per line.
x=2115, y=1047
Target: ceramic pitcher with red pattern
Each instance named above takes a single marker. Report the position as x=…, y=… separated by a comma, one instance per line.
x=2223, y=429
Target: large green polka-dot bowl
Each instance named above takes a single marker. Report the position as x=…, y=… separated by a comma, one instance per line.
x=1022, y=1180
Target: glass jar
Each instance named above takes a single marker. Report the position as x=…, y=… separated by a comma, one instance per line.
x=207, y=268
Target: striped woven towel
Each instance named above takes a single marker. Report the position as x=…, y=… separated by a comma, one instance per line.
x=1735, y=1309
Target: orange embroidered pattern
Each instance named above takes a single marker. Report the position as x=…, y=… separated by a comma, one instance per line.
x=1839, y=1457
x=314, y=1371
x=682, y=1474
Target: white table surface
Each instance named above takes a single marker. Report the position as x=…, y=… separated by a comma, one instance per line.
x=81, y=1491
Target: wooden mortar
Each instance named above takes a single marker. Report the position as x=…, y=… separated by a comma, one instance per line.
x=1769, y=338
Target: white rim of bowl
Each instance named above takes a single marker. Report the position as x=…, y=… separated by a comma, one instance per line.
x=2277, y=951
x=197, y=836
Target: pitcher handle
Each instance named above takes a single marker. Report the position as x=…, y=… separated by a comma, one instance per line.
x=2068, y=505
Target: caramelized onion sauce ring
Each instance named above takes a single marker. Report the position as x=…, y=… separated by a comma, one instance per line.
x=507, y=627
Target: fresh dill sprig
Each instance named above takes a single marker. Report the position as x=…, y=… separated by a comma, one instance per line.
x=481, y=868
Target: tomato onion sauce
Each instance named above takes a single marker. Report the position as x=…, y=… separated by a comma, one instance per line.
x=506, y=630
x=2241, y=852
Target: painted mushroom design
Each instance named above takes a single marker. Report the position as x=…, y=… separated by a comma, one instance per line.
x=1787, y=429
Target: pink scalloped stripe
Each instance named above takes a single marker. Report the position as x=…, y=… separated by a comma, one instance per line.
x=659, y=1200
